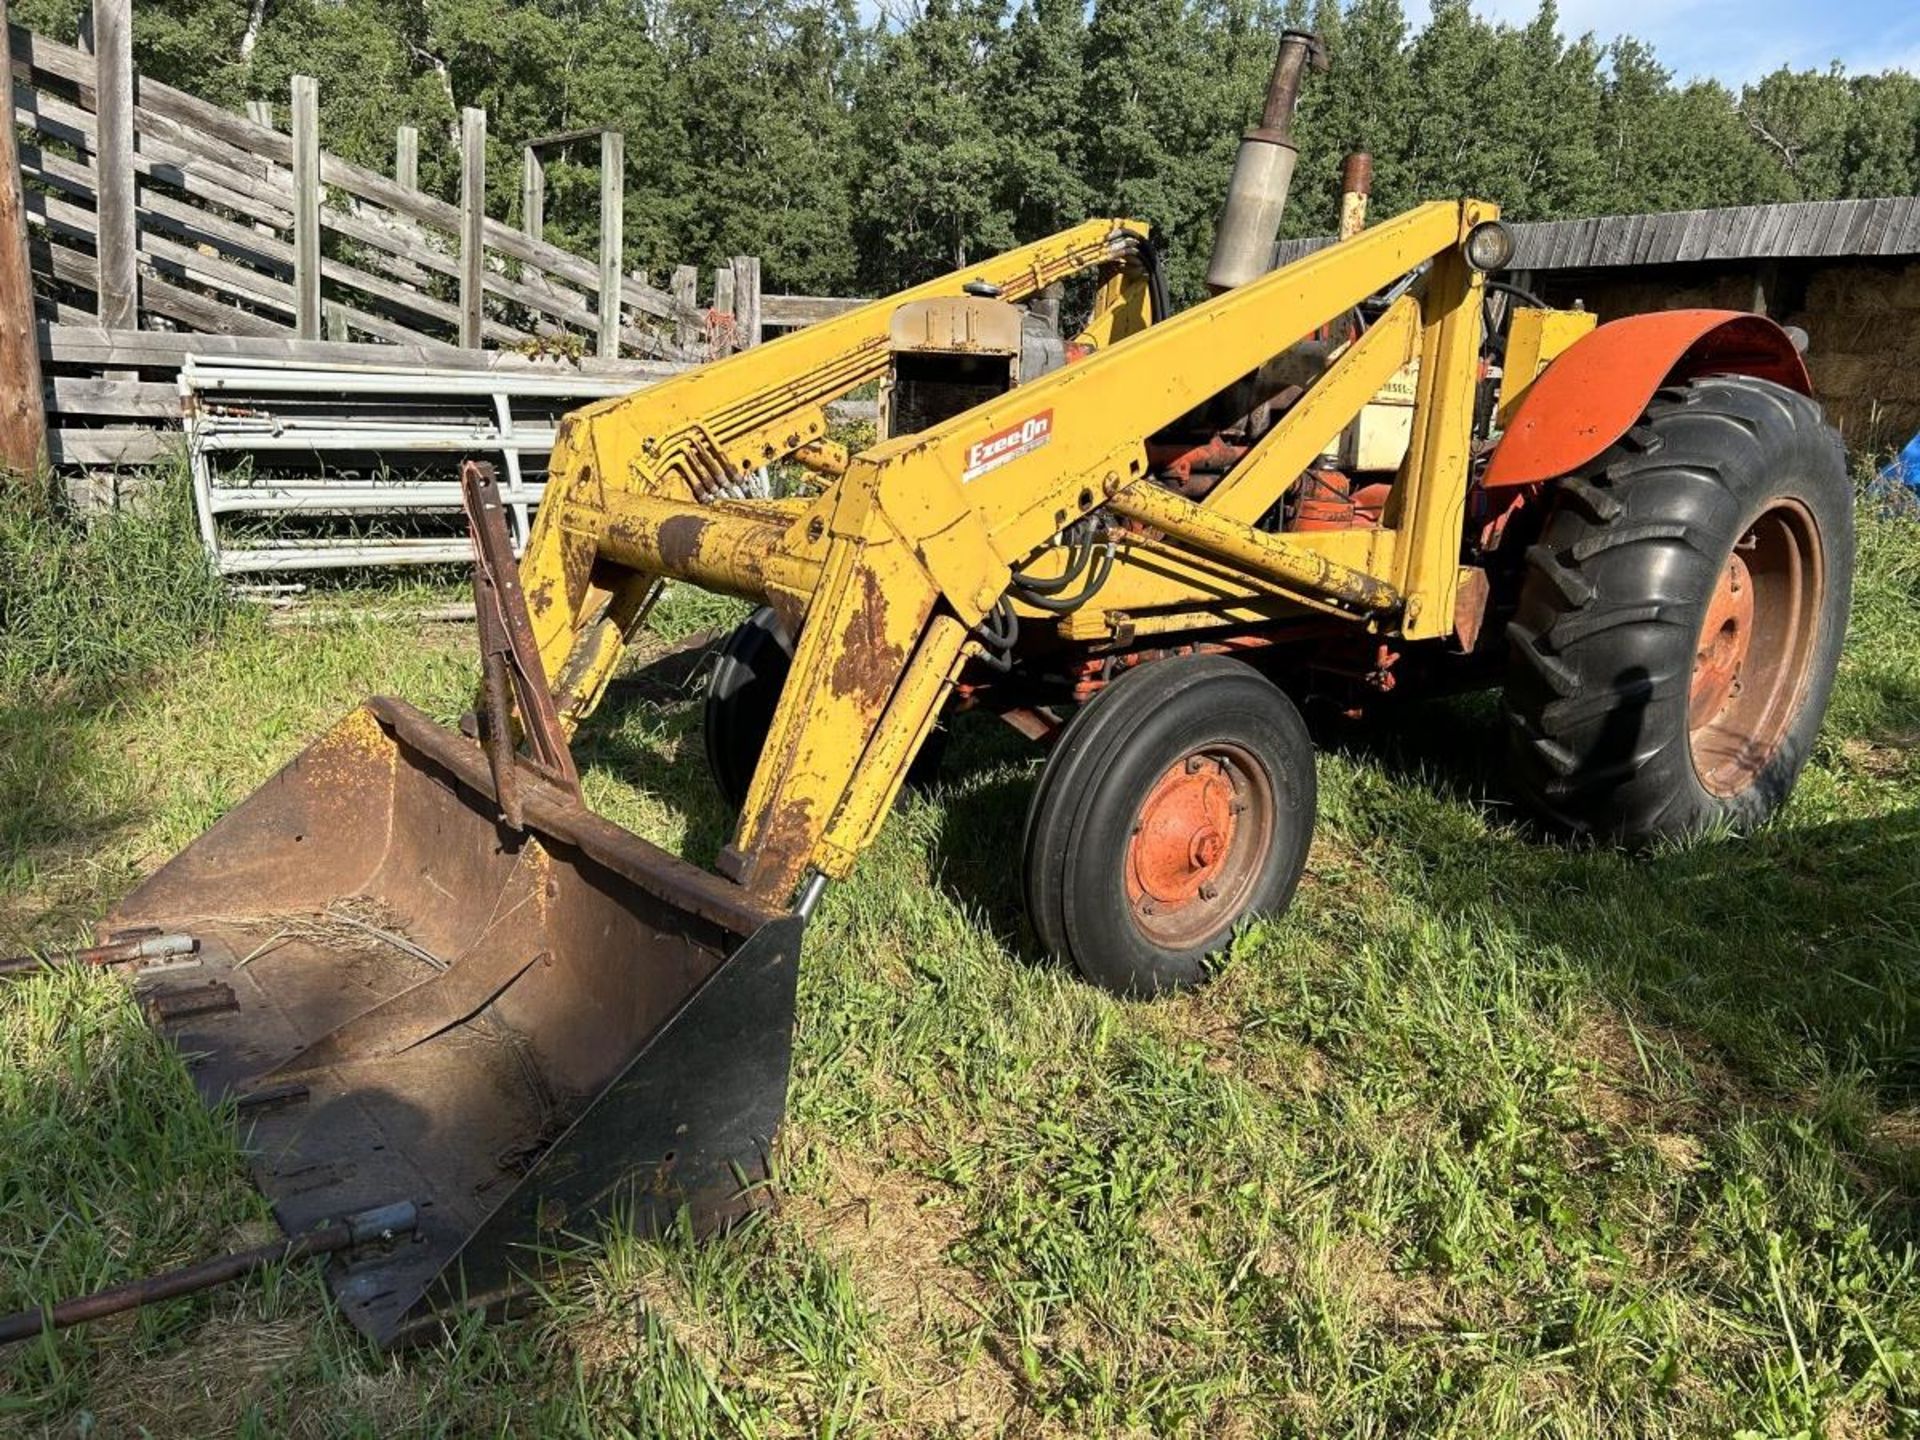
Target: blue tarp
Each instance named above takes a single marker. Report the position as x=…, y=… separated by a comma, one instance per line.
x=1897, y=488
x=1905, y=469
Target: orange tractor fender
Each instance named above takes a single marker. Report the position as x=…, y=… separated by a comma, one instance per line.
x=1600, y=385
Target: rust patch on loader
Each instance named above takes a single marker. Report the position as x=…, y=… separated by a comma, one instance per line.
x=870, y=660
x=679, y=541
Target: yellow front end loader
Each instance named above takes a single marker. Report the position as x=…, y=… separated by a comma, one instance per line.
x=1374, y=470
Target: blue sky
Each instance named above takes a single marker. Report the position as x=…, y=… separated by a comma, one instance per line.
x=1739, y=40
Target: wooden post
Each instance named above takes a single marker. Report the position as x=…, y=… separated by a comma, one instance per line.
x=260, y=112
x=723, y=290
x=473, y=221
x=406, y=157
x=306, y=207
x=746, y=299
x=682, y=287
x=533, y=194
x=118, y=242
x=613, y=200
x=23, y=407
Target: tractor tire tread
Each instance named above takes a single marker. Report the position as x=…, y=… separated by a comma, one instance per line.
x=1601, y=645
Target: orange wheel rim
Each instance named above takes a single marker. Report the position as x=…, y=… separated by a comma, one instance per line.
x=1200, y=841
x=1754, y=653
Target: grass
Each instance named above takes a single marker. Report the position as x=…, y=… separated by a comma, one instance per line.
x=1488, y=1137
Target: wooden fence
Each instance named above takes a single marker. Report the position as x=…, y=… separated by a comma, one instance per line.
x=158, y=221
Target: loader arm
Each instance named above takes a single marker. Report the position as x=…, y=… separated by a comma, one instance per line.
x=886, y=574
x=697, y=436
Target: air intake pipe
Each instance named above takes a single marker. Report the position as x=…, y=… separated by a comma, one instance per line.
x=1257, y=194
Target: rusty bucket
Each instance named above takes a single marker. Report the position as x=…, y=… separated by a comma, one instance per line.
x=516, y=1028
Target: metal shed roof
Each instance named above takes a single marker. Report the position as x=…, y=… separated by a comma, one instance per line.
x=1814, y=228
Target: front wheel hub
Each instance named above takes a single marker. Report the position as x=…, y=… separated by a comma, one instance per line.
x=1200, y=840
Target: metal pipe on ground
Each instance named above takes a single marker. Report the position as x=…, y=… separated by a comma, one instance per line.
x=118, y=952
x=367, y=1227
x=1263, y=171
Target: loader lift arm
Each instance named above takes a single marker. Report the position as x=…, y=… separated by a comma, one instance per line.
x=887, y=574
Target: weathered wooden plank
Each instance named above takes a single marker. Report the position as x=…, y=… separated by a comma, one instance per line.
x=613, y=191
x=65, y=265
x=260, y=112
x=387, y=330
x=198, y=226
x=114, y=445
x=473, y=216
x=251, y=193
x=397, y=297
x=215, y=273
x=215, y=317
x=91, y=395
x=746, y=299
x=306, y=206
x=186, y=136
x=533, y=194
x=89, y=345
x=406, y=157
x=404, y=245
x=791, y=311
x=23, y=417
x=723, y=289
x=58, y=215
x=683, y=287
x=115, y=239
x=213, y=184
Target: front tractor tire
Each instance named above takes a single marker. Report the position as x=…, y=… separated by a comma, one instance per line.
x=1682, y=615
x=1179, y=801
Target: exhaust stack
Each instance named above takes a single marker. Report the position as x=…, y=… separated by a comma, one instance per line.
x=1262, y=172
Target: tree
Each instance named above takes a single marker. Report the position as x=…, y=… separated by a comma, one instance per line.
x=927, y=145
x=1033, y=91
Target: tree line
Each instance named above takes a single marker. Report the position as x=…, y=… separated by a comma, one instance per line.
x=855, y=154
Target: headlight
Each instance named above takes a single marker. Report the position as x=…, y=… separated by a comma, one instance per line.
x=1489, y=246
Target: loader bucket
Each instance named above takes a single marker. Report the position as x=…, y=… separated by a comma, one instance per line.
x=515, y=1029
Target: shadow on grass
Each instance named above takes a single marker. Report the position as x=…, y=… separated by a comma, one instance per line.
x=986, y=781
x=1795, y=950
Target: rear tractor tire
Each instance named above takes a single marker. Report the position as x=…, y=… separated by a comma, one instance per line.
x=1681, y=617
x=1179, y=801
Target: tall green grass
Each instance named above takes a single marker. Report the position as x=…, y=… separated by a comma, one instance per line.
x=88, y=602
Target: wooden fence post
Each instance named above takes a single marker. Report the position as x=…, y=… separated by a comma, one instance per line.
x=260, y=112
x=406, y=157
x=306, y=207
x=682, y=287
x=613, y=200
x=118, y=242
x=473, y=226
x=723, y=294
x=533, y=194
x=23, y=409
x=746, y=299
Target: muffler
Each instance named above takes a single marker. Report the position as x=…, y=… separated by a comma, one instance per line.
x=1263, y=171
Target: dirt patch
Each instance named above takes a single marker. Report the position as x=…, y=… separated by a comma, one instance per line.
x=895, y=1237
x=1404, y=1303
x=204, y=1387
x=1880, y=759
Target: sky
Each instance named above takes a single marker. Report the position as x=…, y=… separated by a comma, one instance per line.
x=1739, y=40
